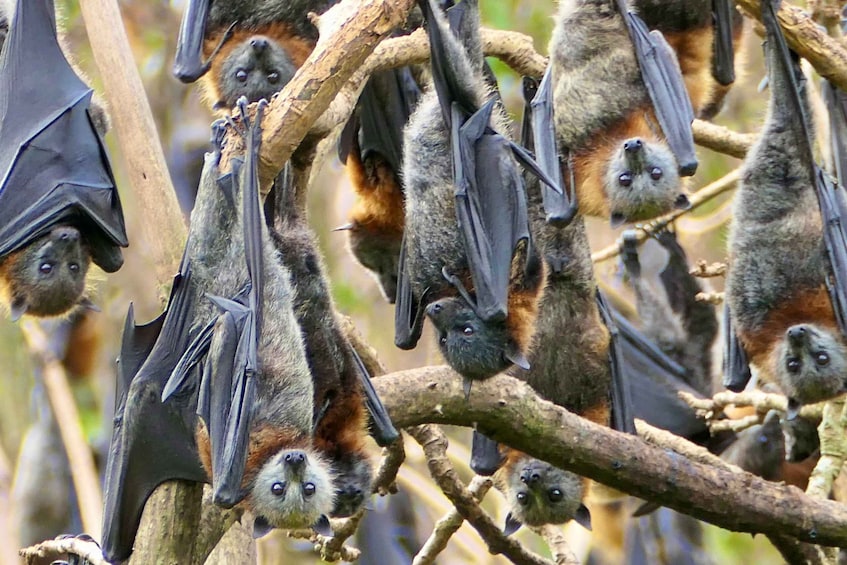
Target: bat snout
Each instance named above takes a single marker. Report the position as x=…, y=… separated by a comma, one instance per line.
x=530, y=476
x=65, y=234
x=632, y=146
x=259, y=44
x=295, y=459
x=797, y=334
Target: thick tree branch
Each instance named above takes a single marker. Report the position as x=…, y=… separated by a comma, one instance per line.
x=508, y=411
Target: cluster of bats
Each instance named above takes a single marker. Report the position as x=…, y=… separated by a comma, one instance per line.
x=247, y=380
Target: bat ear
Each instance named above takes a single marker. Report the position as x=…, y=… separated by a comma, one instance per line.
x=583, y=517
x=261, y=527
x=512, y=525
x=516, y=356
x=19, y=307
x=617, y=219
x=682, y=202
x=323, y=527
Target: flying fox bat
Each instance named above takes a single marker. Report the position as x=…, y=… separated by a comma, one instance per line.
x=467, y=258
x=218, y=388
x=252, y=48
x=59, y=208
x=342, y=384
x=788, y=248
x=622, y=115
x=688, y=26
x=371, y=146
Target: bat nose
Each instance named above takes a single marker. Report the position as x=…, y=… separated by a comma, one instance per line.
x=259, y=44
x=434, y=309
x=797, y=333
x=65, y=233
x=530, y=476
x=632, y=146
x=295, y=459
x=682, y=202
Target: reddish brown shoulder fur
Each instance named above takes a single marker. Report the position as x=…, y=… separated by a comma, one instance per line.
x=811, y=306
x=694, y=52
x=343, y=426
x=265, y=441
x=523, y=312
x=379, y=205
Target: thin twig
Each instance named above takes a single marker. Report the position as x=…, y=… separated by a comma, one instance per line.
x=710, y=297
x=83, y=470
x=705, y=270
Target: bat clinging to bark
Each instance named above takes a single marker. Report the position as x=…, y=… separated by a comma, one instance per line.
x=229, y=350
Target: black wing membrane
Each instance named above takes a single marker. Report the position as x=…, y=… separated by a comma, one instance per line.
x=723, y=50
x=380, y=425
x=485, y=455
x=188, y=62
x=53, y=164
x=408, y=309
x=835, y=101
x=490, y=198
x=663, y=79
x=831, y=197
x=538, y=134
x=620, y=394
x=736, y=368
x=152, y=442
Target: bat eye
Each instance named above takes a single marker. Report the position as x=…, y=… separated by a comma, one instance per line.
x=555, y=495
x=74, y=267
x=467, y=330
x=523, y=499
x=308, y=489
x=822, y=359
x=45, y=268
x=442, y=339
x=273, y=77
x=241, y=75
x=793, y=365
x=625, y=179
x=277, y=489
x=655, y=173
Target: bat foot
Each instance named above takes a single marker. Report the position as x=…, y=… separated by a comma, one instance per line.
x=218, y=136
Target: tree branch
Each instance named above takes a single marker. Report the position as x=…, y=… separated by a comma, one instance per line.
x=507, y=410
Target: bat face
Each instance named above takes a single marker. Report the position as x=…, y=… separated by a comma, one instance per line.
x=380, y=254
x=811, y=364
x=539, y=493
x=293, y=490
x=257, y=68
x=642, y=181
x=475, y=349
x=352, y=486
x=47, y=278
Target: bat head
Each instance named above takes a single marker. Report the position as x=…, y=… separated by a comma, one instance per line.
x=353, y=478
x=811, y=364
x=257, y=68
x=642, y=181
x=474, y=348
x=539, y=493
x=379, y=252
x=759, y=449
x=294, y=489
x=47, y=278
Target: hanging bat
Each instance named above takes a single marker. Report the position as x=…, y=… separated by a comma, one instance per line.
x=371, y=146
x=704, y=36
x=788, y=250
x=251, y=48
x=467, y=258
x=622, y=116
x=209, y=391
x=339, y=377
x=60, y=208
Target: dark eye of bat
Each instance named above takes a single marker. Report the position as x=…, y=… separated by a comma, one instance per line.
x=625, y=179
x=555, y=495
x=655, y=173
x=467, y=330
x=308, y=489
x=822, y=359
x=522, y=498
x=241, y=75
x=277, y=489
x=793, y=365
x=442, y=339
x=273, y=77
x=74, y=267
x=46, y=268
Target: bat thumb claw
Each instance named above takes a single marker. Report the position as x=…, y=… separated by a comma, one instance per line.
x=345, y=227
